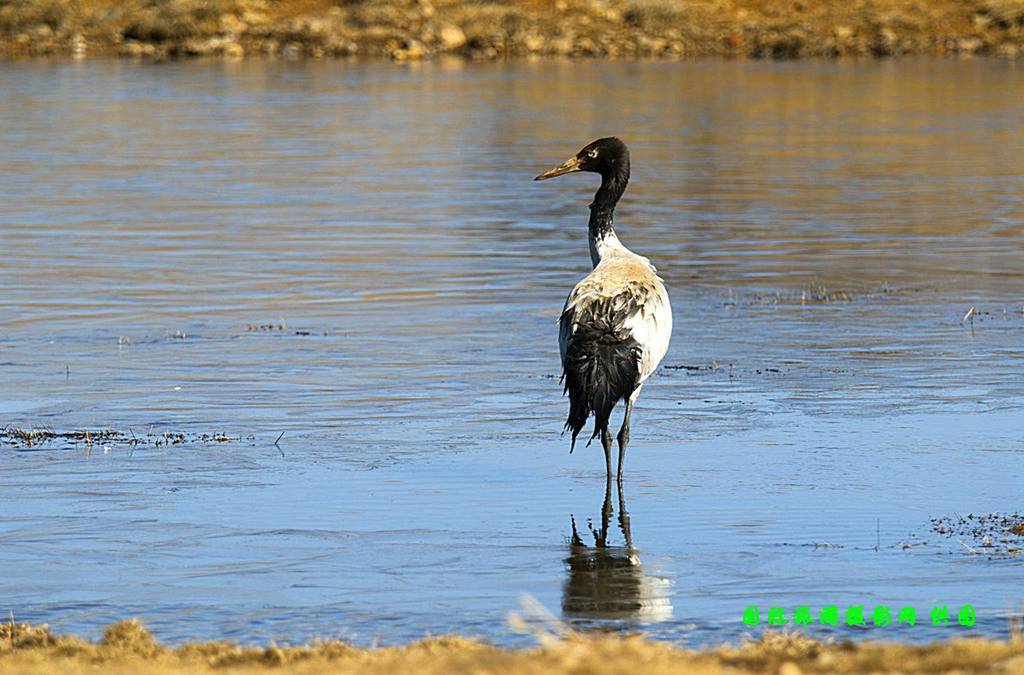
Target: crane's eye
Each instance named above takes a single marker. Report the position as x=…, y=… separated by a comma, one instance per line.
x=592, y=154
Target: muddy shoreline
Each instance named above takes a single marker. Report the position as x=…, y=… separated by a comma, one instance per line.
x=423, y=29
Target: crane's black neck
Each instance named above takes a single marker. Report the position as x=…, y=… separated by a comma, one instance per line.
x=602, y=210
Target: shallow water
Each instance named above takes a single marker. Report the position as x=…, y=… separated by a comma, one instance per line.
x=354, y=255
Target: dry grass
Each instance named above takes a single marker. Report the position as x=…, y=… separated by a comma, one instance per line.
x=162, y=21
x=1008, y=13
x=500, y=28
x=127, y=647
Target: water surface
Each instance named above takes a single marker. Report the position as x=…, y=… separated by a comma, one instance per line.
x=354, y=255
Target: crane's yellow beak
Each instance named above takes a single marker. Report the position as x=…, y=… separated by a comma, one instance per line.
x=570, y=165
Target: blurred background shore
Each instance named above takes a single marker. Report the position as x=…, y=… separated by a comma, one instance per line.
x=497, y=29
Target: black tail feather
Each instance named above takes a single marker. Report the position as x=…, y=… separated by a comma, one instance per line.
x=600, y=369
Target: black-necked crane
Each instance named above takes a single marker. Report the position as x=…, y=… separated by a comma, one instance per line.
x=617, y=322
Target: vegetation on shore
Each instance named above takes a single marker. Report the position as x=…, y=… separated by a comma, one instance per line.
x=489, y=29
x=127, y=647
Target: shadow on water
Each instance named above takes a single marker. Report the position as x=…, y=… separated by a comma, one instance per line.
x=609, y=582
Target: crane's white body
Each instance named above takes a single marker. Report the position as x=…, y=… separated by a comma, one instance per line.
x=637, y=295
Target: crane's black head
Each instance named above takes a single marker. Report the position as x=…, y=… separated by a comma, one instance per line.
x=606, y=156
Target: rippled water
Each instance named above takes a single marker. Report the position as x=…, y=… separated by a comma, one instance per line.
x=354, y=255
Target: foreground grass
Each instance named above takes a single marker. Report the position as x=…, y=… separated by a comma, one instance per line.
x=127, y=647
x=416, y=29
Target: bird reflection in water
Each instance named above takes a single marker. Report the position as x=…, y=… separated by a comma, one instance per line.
x=609, y=582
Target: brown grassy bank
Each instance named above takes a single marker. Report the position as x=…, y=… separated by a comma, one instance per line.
x=414, y=29
x=127, y=647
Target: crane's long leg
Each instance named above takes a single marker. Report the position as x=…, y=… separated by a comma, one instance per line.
x=606, y=441
x=624, y=436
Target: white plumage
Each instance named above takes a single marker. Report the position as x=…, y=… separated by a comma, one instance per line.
x=634, y=288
